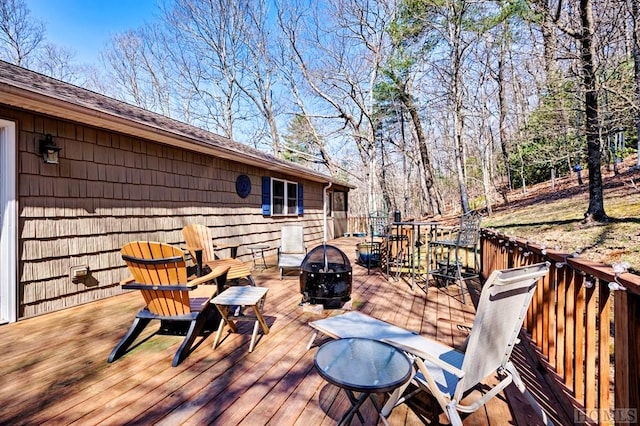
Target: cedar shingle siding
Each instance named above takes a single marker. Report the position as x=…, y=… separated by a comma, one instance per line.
x=111, y=188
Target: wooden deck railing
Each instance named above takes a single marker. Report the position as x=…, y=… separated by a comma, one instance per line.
x=584, y=321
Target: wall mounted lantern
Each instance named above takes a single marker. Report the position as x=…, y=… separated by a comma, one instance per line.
x=49, y=150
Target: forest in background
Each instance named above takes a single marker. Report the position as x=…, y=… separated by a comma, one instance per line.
x=426, y=106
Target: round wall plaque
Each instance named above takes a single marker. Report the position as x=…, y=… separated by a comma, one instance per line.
x=243, y=186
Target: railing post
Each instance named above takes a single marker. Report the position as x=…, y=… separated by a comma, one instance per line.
x=627, y=354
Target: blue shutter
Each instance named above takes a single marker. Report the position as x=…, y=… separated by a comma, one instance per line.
x=300, y=200
x=266, y=196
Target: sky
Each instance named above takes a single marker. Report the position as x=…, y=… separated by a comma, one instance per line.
x=85, y=26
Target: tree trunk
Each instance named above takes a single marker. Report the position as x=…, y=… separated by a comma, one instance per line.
x=596, y=197
x=502, y=105
x=383, y=180
x=486, y=150
x=458, y=126
x=429, y=181
x=456, y=96
x=550, y=46
x=406, y=171
x=635, y=12
x=273, y=127
x=458, y=136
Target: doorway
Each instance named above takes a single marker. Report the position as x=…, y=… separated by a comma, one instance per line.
x=8, y=223
x=339, y=207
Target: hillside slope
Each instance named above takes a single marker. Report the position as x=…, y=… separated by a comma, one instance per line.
x=554, y=217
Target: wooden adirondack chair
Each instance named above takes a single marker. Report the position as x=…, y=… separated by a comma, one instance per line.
x=198, y=238
x=159, y=271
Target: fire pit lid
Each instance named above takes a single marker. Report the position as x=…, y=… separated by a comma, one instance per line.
x=326, y=257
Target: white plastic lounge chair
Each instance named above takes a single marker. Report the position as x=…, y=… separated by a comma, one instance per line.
x=449, y=374
x=292, y=250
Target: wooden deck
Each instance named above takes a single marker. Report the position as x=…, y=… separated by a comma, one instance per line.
x=53, y=368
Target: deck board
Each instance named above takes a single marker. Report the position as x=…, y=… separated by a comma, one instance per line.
x=54, y=368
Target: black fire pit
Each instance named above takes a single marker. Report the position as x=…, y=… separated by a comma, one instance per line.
x=325, y=277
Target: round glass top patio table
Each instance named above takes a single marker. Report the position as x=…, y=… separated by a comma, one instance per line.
x=362, y=365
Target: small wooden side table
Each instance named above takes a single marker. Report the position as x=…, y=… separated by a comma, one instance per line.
x=238, y=296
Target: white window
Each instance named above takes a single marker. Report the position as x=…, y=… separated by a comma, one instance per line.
x=281, y=197
x=284, y=197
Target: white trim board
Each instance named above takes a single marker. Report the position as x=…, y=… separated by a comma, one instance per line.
x=8, y=223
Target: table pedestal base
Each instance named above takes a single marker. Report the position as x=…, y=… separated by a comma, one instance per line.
x=356, y=404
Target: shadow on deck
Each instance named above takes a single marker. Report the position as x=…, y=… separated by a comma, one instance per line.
x=54, y=368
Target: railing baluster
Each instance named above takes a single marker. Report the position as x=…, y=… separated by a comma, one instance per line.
x=539, y=316
x=604, y=336
x=591, y=345
x=561, y=319
x=570, y=321
x=549, y=317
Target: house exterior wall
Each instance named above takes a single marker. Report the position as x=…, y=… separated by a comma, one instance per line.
x=109, y=189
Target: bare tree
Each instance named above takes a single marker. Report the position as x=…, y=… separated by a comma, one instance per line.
x=316, y=140
x=23, y=42
x=205, y=42
x=57, y=62
x=582, y=29
x=501, y=80
x=481, y=110
x=448, y=31
x=20, y=34
x=340, y=66
x=232, y=67
x=595, y=211
x=456, y=12
x=261, y=66
x=138, y=69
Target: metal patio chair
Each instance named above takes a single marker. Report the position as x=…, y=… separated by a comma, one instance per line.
x=448, y=254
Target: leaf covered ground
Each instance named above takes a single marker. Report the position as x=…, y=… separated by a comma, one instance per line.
x=553, y=215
